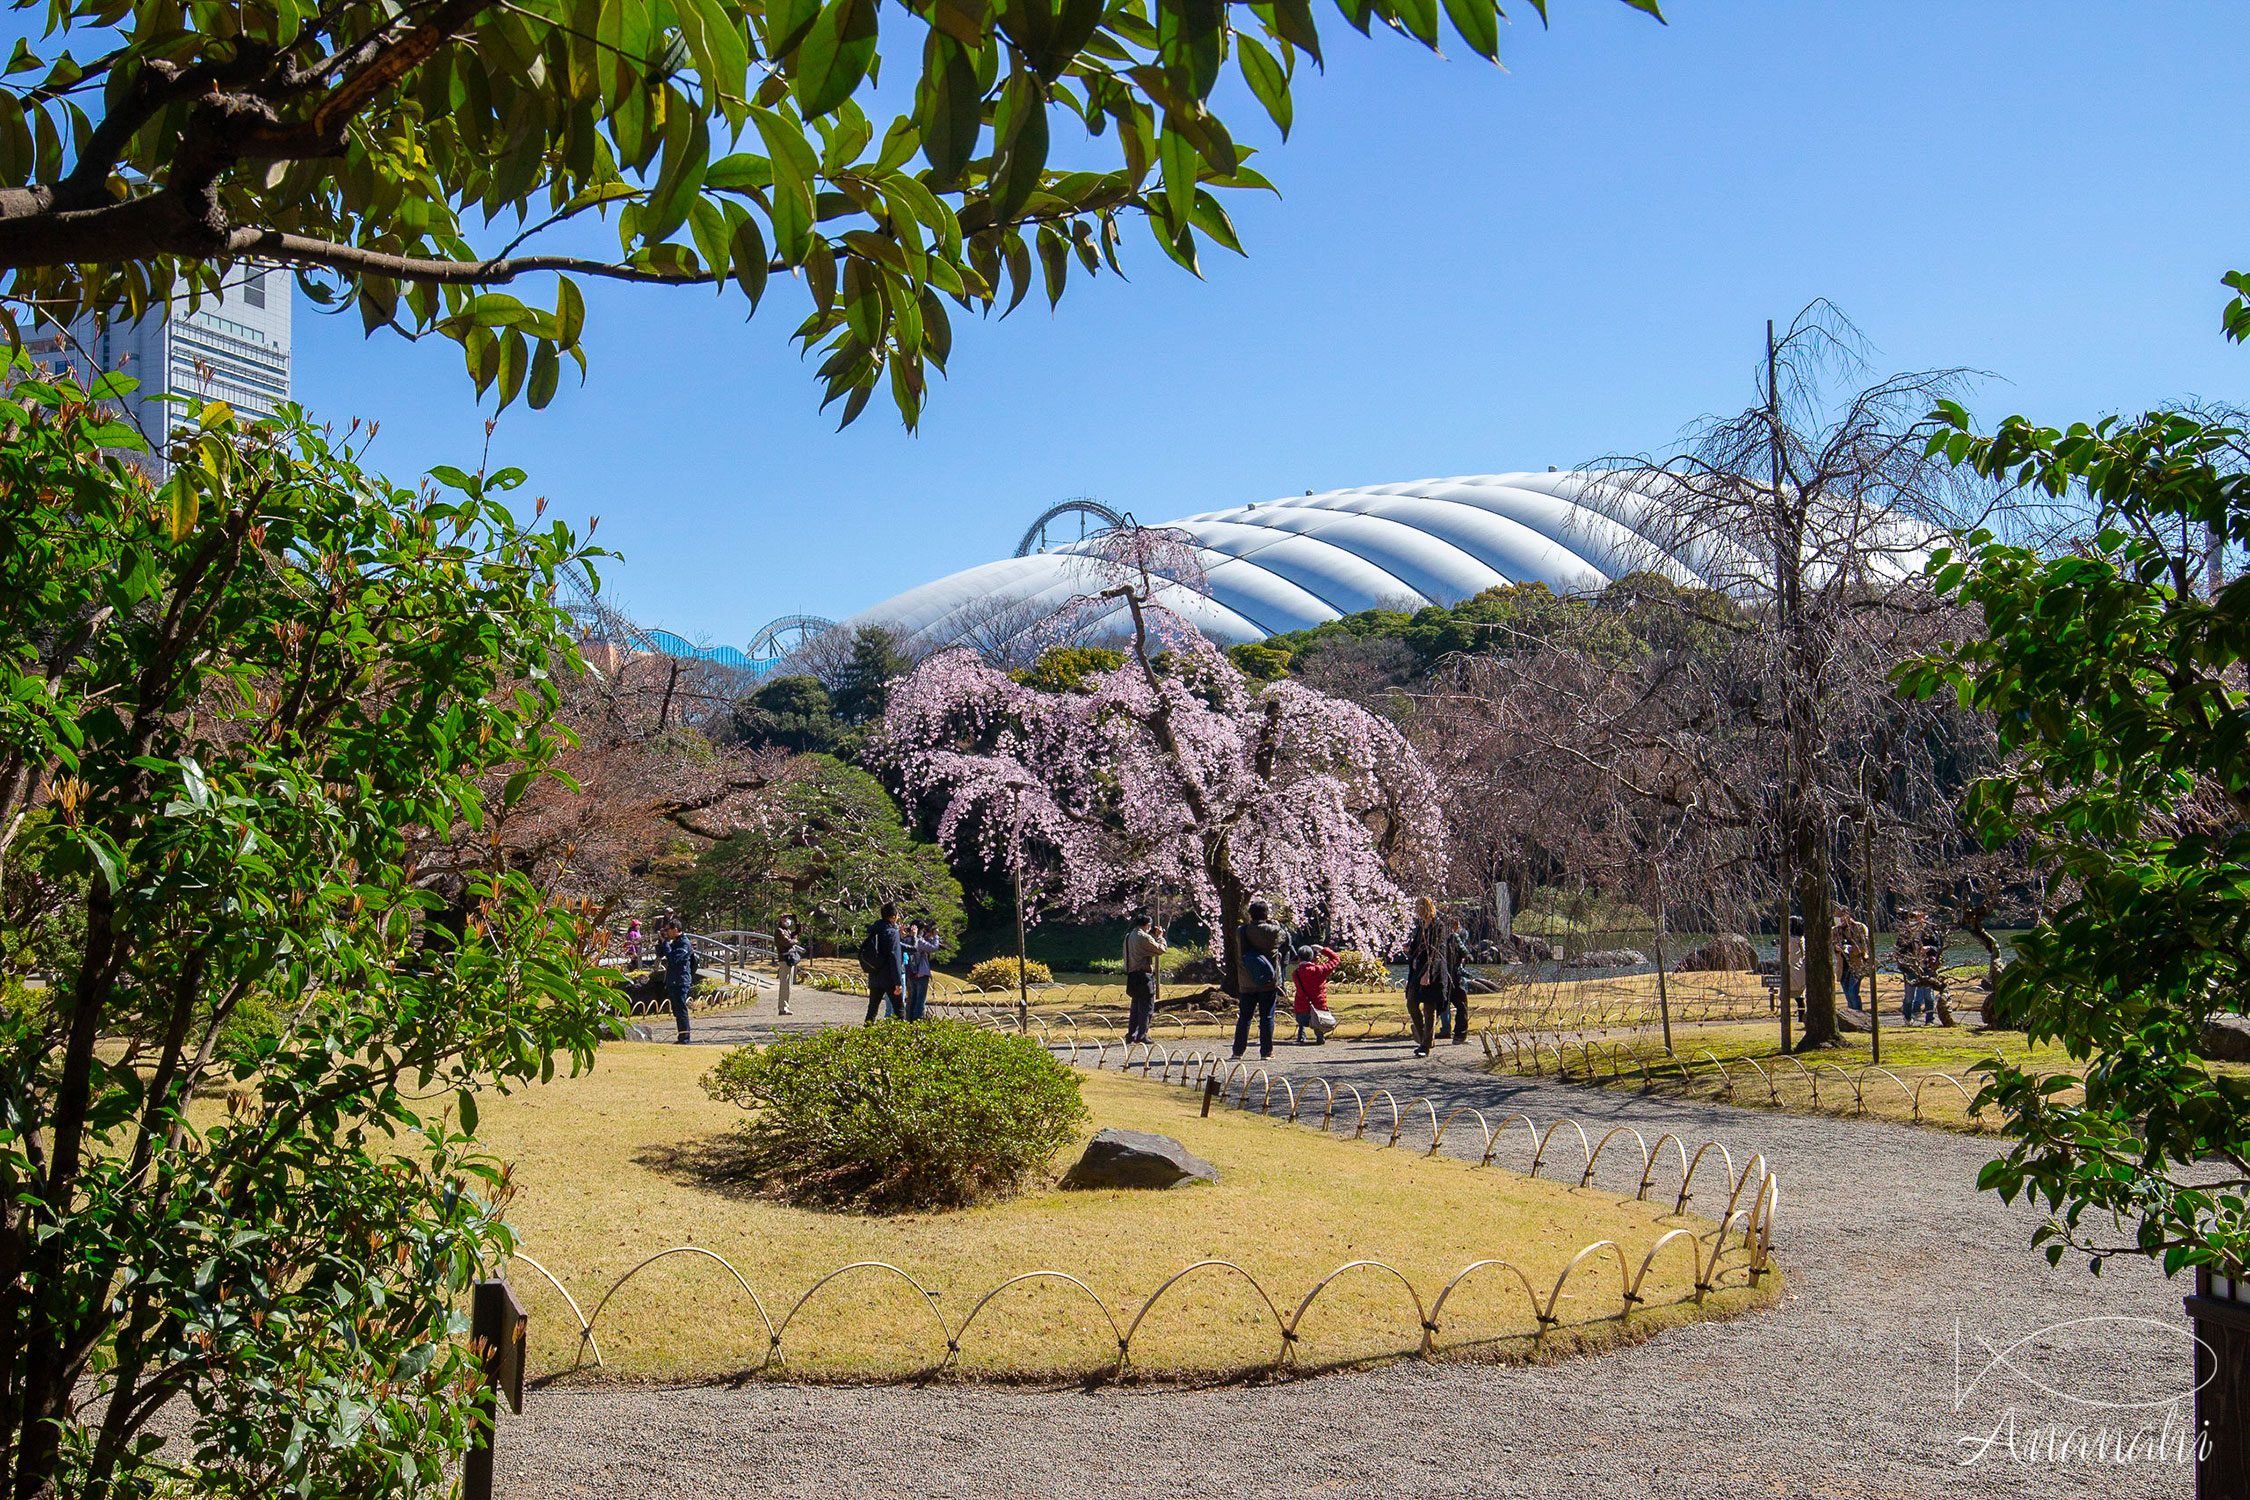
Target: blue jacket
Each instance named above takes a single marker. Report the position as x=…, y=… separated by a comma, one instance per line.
x=679, y=964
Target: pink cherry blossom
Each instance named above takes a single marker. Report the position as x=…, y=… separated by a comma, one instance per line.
x=1173, y=781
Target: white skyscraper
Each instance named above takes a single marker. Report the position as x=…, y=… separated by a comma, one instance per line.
x=232, y=348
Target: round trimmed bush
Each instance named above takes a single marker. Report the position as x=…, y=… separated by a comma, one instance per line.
x=1000, y=973
x=1358, y=969
x=898, y=1116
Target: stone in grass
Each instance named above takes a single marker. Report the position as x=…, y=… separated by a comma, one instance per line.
x=2226, y=1039
x=1137, y=1159
x=1848, y=1019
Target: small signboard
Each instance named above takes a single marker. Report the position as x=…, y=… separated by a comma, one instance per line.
x=497, y=1321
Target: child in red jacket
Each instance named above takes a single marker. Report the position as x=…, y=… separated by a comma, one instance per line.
x=1314, y=965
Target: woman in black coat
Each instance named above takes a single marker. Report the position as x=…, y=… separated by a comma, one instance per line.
x=1429, y=973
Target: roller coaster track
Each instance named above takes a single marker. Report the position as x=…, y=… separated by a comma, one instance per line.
x=599, y=620
x=1035, y=537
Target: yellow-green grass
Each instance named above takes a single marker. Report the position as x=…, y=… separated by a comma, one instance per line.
x=1093, y=1011
x=1916, y=1060
x=606, y=1169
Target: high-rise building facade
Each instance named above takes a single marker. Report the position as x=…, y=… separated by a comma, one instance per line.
x=233, y=348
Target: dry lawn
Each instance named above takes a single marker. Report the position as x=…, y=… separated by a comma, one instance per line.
x=610, y=1168
x=1715, y=1062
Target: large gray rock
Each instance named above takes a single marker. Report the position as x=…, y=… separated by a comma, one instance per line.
x=2227, y=1039
x=1728, y=953
x=1607, y=958
x=1204, y=970
x=1848, y=1019
x=1137, y=1159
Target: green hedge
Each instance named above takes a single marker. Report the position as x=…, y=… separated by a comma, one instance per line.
x=899, y=1115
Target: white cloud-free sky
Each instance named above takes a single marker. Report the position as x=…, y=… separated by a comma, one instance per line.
x=1468, y=270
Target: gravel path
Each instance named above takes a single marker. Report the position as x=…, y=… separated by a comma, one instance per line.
x=1847, y=1388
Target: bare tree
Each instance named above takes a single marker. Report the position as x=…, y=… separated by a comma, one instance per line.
x=1817, y=511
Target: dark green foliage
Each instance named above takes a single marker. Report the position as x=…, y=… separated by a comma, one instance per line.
x=1637, y=614
x=250, y=702
x=152, y=148
x=864, y=686
x=900, y=1115
x=792, y=713
x=832, y=849
x=2117, y=691
x=1260, y=663
x=1063, y=669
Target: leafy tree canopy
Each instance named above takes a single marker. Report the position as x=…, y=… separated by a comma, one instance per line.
x=793, y=713
x=2117, y=689
x=235, y=711
x=1636, y=614
x=1065, y=669
x=832, y=848
x=411, y=158
x=863, y=686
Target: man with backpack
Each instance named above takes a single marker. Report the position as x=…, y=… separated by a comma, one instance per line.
x=677, y=955
x=1258, y=984
x=881, y=958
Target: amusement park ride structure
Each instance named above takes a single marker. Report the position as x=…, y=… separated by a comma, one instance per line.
x=602, y=623
x=1035, y=539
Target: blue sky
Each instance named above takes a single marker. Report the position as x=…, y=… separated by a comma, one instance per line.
x=1469, y=270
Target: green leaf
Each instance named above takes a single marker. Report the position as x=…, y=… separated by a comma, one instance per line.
x=948, y=107
x=1023, y=157
x=787, y=23
x=834, y=56
x=715, y=37
x=515, y=363
x=793, y=169
x=570, y=312
x=687, y=151
x=742, y=172
x=1419, y=17
x=1191, y=40
x=468, y=1099
x=1263, y=72
x=750, y=260
x=1177, y=155
x=546, y=374
x=1478, y=21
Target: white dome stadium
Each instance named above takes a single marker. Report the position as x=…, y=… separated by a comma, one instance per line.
x=1289, y=564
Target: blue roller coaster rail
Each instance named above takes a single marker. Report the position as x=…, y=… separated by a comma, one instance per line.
x=774, y=644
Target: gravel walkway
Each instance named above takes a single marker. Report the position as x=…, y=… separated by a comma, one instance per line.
x=1845, y=1389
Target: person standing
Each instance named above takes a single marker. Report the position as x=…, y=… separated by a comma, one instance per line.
x=1258, y=982
x=1429, y=984
x=921, y=947
x=882, y=957
x=1457, y=984
x=677, y=955
x=1795, y=953
x=1310, y=983
x=633, y=943
x=788, y=952
x=1142, y=945
x=1910, y=944
x=1856, y=946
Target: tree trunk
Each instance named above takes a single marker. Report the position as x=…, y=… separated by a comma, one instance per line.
x=1233, y=898
x=1815, y=900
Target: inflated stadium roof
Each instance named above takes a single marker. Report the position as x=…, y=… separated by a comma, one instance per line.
x=1289, y=564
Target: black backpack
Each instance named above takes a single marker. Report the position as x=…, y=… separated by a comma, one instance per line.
x=1258, y=971
x=871, y=950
